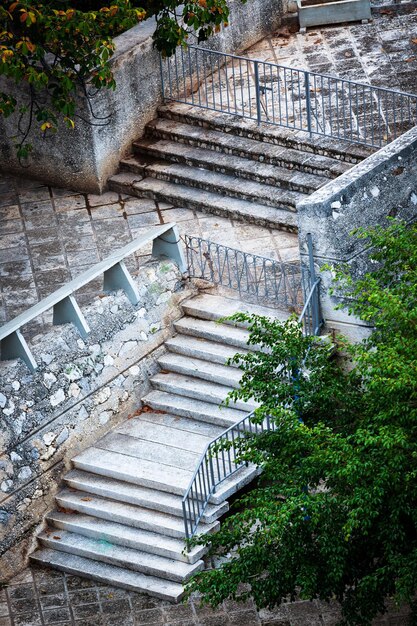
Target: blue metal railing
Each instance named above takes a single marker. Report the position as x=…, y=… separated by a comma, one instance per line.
x=318, y=104
x=219, y=460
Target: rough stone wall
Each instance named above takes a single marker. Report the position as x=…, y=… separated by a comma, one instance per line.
x=84, y=158
x=383, y=185
x=81, y=389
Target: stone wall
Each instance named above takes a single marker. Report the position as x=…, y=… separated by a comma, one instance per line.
x=383, y=185
x=84, y=158
x=81, y=389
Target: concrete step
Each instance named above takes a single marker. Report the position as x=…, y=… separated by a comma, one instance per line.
x=122, y=535
x=209, y=372
x=226, y=184
x=169, y=435
x=122, y=513
x=185, y=423
x=212, y=307
x=139, y=472
x=234, y=483
x=168, y=456
x=197, y=389
x=243, y=147
x=224, y=417
x=206, y=201
x=121, y=556
x=266, y=133
x=134, y=494
x=211, y=331
x=109, y=574
x=193, y=347
x=235, y=166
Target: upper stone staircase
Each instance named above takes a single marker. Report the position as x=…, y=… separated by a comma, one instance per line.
x=119, y=517
x=224, y=165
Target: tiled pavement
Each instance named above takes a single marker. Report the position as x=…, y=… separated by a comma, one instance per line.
x=41, y=598
x=383, y=52
x=48, y=236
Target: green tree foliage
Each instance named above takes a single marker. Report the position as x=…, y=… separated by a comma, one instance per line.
x=59, y=47
x=335, y=513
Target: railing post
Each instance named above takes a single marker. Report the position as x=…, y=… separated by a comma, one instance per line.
x=184, y=515
x=257, y=92
x=308, y=100
x=212, y=473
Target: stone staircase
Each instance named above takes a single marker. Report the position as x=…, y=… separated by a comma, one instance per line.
x=224, y=165
x=118, y=517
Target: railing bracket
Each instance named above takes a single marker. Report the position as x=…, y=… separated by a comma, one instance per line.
x=67, y=311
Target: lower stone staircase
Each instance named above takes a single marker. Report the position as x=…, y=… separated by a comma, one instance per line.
x=118, y=517
x=227, y=166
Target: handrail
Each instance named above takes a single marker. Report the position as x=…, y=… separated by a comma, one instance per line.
x=301, y=100
x=213, y=469
x=165, y=240
x=267, y=280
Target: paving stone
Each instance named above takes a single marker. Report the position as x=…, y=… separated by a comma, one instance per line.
x=28, y=619
x=143, y=219
x=70, y=203
x=179, y=612
x=11, y=226
x=74, y=216
x=53, y=616
x=114, y=607
x=82, y=611
x=83, y=596
x=109, y=197
x=134, y=206
x=21, y=592
x=8, y=199
x=149, y=616
x=106, y=211
x=53, y=601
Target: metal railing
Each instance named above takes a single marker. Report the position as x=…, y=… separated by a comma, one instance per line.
x=284, y=96
x=220, y=459
x=165, y=243
x=217, y=463
x=263, y=279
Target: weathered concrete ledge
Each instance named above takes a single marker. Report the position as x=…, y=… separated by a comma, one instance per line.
x=81, y=389
x=84, y=158
x=383, y=185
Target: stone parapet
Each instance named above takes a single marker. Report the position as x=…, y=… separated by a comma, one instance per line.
x=383, y=185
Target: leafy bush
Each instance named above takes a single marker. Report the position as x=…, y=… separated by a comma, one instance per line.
x=335, y=514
